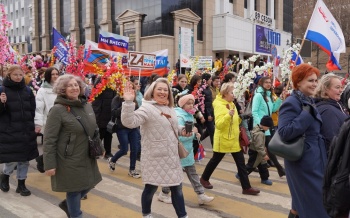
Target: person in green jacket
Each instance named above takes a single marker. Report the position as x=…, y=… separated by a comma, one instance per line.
x=264, y=104
x=66, y=155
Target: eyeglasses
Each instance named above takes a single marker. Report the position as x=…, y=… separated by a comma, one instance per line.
x=72, y=86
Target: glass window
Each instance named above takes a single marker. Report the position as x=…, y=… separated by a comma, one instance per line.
x=82, y=19
x=288, y=16
x=39, y=24
x=158, y=19
x=97, y=17
x=65, y=15
x=50, y=21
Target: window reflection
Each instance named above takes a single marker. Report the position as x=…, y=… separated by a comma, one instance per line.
x=82, y=19
x=158, y=19
x=65, y=14
x=97, y=17
x=288, y=16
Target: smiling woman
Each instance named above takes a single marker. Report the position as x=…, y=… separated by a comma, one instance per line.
x=298, y=117
x=328, y=103
x=66, y=144
x=160, y=162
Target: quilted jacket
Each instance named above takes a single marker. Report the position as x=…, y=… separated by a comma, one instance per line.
x=160, y=162
x=45, y=99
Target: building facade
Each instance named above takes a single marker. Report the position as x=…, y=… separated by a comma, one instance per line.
x=213, y=27
x=246, y=27
x=20, y=14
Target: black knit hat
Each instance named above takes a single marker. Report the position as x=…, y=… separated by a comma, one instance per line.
x=266, y=121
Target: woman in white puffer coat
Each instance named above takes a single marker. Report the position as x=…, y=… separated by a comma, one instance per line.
x=45, y=99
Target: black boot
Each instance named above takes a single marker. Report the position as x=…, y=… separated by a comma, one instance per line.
x=21, y=188
x=4, y=186
x=64, y=207
x=40, y=164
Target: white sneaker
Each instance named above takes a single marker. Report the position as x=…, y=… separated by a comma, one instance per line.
x=164, y=198
x=111, y=165
x=148, y=216
x=134, y=174
x=203, y=198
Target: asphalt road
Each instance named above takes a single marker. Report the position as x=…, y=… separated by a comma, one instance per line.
x=119, y=195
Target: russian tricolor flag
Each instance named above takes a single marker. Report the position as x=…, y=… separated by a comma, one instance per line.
x=113, y=42
x=325, y=31
x=299, y=60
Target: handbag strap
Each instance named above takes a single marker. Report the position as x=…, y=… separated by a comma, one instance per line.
x=167, y=116
x=266, y=104
x=79, y=120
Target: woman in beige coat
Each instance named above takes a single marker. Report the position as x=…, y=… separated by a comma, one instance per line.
x=160, y=163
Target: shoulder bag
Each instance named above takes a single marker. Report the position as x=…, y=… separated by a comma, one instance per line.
x=291, y=150
x=183, y=153
x=112, y=126
x=243, y=139
x=95, y=145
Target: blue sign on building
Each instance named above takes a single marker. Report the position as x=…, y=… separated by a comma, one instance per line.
x=274, y=38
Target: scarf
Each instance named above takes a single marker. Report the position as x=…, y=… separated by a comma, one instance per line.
x=303, y=97
x=160, y=101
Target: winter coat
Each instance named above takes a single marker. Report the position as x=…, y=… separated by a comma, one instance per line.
x=259, y=106
x=102, y=107
x=182, y=117
x=305, y=176
x=66, y=146
x=116, y=106
x=208, y=103
x=333, y=115
x=226, y=135
x=139, y=98
x=160, y=162
x=45, y=99
x=17, y=130
x=258, y=144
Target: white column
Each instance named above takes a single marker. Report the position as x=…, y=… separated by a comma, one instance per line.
x=271, y=8
x=250, y=8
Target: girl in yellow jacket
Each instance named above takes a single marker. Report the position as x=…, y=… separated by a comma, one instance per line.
x=226, y=139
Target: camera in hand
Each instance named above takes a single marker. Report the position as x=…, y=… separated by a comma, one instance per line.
x=188, y=126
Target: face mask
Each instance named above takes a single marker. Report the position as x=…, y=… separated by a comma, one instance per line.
x=192, y=111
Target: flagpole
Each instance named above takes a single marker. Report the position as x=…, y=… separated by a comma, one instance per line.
x=139, y=74
x=295, y=61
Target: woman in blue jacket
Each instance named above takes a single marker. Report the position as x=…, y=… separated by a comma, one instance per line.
x=330, y=107
x=297, y=117
x=263, y=104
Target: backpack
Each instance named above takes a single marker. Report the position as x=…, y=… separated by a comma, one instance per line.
x=336, y=189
